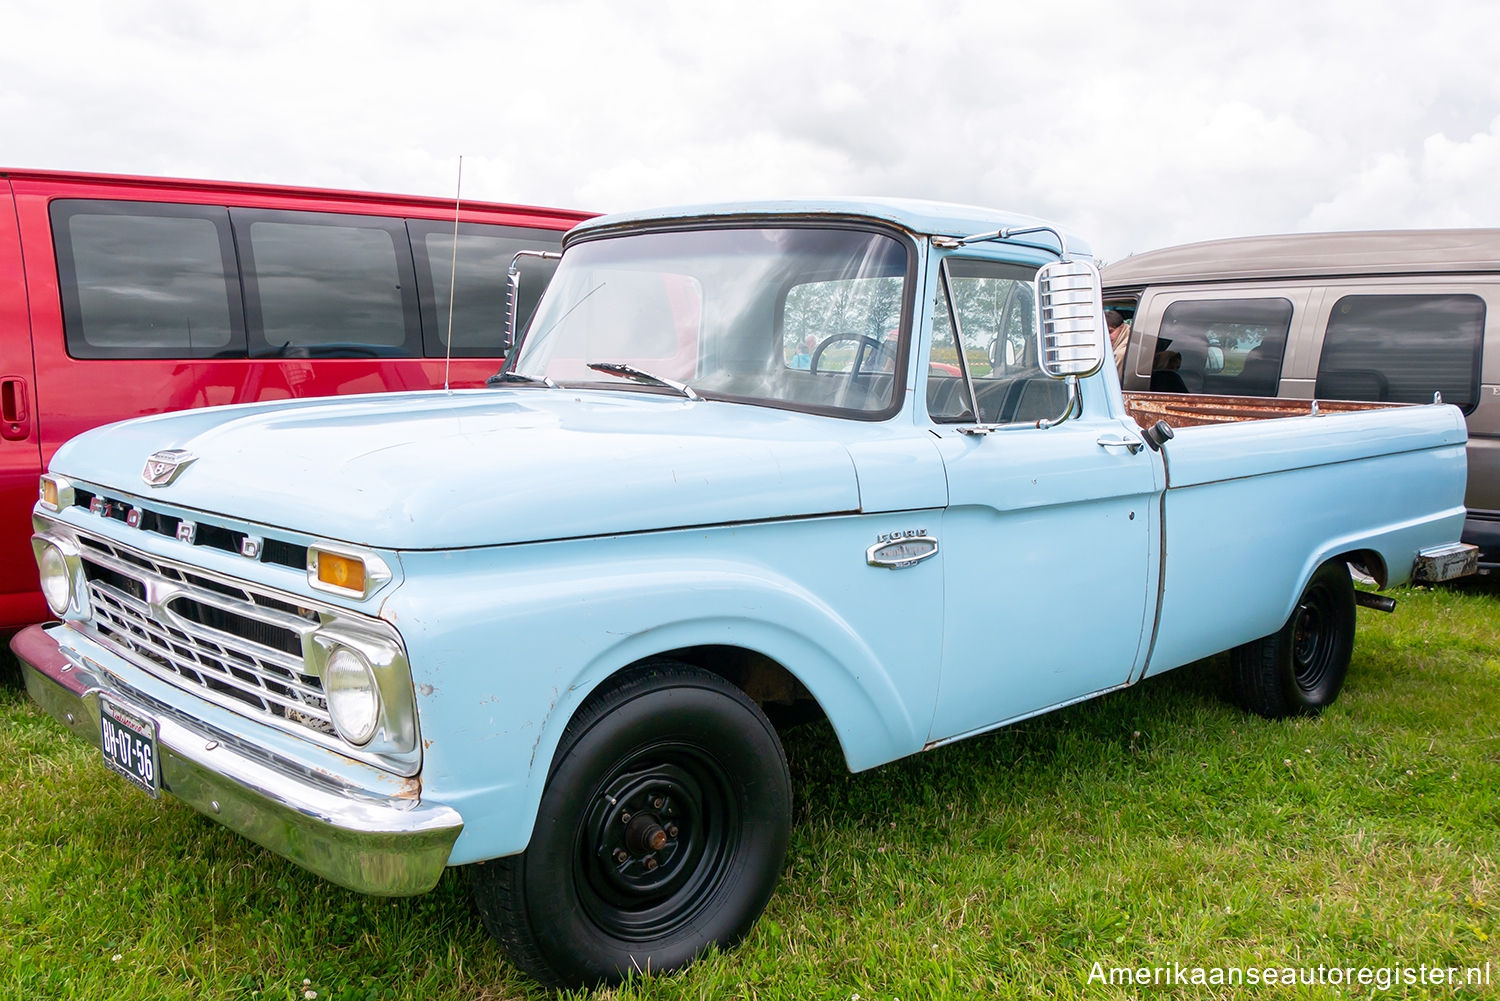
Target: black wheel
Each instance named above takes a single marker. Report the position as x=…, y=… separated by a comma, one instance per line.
x=1300, y=668
x=661, y=832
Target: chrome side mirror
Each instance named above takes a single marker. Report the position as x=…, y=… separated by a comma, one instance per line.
x=1070, y=320
x=513, y=292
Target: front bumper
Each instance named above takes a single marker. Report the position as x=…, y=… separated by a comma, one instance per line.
x=373, y=844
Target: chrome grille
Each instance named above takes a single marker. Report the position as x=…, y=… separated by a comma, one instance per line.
x=232, y=644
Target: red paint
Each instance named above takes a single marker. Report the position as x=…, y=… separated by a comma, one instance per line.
x=46, y=396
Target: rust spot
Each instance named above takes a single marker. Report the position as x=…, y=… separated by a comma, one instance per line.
x=410, y=788
x=1185, y=411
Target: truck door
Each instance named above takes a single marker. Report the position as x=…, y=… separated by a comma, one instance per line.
x=1051, y=538
x=20, y=448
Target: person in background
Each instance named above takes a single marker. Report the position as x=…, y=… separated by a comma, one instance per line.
x=803, y=357
x=1119, y=337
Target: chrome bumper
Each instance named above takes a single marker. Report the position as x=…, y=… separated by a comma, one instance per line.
x=1446, y=563
x=383, y=846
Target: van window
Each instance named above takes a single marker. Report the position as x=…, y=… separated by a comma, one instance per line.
x=484, y=254
x=1230, y=347
x=323, y=285
x=1403, y=348
x=146, y=280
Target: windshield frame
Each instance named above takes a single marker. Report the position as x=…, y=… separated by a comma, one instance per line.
x=857, y=224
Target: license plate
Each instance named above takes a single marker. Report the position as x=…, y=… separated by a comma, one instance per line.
x=128, y=738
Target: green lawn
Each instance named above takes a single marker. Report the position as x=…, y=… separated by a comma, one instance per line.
x=1158, y=825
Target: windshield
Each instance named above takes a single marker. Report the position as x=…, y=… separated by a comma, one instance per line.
x=804, y=318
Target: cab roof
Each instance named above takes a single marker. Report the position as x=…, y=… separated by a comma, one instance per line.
x=915, y=216
x=1297, y=255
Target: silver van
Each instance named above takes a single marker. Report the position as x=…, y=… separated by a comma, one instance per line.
x=1390, y=316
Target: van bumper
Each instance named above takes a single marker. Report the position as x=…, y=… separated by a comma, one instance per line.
x=372, y=844
x=1482, y=529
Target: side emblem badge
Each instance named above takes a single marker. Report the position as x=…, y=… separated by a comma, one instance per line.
x=162, y=467
x=895, y=550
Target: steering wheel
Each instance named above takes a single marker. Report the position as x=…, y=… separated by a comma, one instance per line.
x=869, y=348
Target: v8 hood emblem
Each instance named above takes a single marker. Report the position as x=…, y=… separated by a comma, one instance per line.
x=162, y=467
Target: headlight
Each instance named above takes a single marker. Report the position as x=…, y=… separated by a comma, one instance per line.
x=57, y=583
x=353, y=700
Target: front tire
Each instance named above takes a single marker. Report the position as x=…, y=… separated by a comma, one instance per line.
x=1300, y=669
x=661, y=833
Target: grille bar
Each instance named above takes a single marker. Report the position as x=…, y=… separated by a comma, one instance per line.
x=228, y=642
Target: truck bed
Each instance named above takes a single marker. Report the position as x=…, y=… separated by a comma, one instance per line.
x=1182, y=411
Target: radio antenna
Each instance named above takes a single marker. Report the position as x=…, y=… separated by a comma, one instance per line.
x=453, y=274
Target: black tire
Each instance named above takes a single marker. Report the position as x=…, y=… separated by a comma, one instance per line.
x=702, y=776
x=1299, y=669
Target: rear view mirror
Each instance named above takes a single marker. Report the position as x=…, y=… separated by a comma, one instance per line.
x=1070, y=320
x=513, y=294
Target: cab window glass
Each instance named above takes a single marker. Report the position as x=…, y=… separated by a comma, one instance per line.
x=1402, y=349
x=996, y=305
x=327, y=286
x=478, y=280
x=141, y=280
x=843, y=324
x=1231, y=347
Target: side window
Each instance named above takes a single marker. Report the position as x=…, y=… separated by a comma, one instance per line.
x=1230, y=347
x=484, y=254
x=1403, y=348
x=844, y=324
x=996, y=305
x=327, y=286
x=147, y=280
x=947, y=393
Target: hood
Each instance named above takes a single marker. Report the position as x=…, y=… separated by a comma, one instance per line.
x=481, y=467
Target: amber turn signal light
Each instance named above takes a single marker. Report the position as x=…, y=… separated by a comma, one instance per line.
x=344, y=572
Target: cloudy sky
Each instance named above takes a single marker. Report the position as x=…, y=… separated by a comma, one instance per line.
x=1135, y=124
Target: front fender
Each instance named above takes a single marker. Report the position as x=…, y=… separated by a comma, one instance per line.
x=507, y=643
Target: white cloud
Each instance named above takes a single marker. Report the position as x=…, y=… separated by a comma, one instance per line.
x=1444, y=182
x=1138, y=124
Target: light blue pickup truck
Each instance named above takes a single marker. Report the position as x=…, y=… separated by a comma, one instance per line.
x=851, y=458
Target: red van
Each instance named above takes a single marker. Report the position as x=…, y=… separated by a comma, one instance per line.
x=122, y=296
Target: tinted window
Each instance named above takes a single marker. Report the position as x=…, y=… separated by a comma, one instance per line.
x=142, y=280
x=327, y=286
x=484, y=254
x=1402, y=349
x=1231, y=347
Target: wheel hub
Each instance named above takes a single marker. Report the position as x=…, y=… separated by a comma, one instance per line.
x=643, y=835
x=1311, y=643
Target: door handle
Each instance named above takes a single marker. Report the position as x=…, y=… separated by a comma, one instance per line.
x=1125, y=441
x=15, y=409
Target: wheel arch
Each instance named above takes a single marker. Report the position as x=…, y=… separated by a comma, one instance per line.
x=763, y=659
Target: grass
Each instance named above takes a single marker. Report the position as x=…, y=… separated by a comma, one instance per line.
x=1156, y=826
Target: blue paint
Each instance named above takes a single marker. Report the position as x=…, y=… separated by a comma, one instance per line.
x=542, y=540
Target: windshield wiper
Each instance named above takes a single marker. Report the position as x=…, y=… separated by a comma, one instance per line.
x=508, y=376
x=631, y=372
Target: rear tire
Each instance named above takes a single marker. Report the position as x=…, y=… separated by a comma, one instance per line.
x=661, y=833
x=1299, y=669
